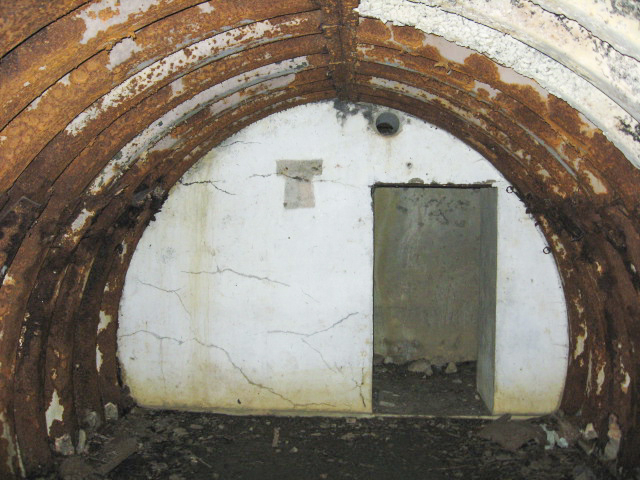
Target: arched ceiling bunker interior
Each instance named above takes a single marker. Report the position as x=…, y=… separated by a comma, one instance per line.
x=105, y=104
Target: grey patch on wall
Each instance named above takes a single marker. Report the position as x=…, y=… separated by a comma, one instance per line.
x=348, y=109
x=298, y=187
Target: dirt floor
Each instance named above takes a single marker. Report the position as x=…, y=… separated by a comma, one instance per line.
x=192, y=446
x=397, y=390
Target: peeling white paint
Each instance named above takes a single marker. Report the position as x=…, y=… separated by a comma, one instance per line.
x=54, y=412
x=177, y=87
x=486, y=87
x=81, y=220
x=600, y=379
x=206, y=7
x=193, y=56
x=603, y=19
x=98, y=358
x=562, y=39
x=33, y=105
x=579, y=350
x=596, y=185
x=166, y=143
x=122, y=51
x=403, y=88
x=536, y=63
x=559, y=246
x=625, y=383
x=66, y=80
x=102, y=15
x=105, y=320
x=269, y=76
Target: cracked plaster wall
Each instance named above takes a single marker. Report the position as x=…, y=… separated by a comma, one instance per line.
x=234, y=302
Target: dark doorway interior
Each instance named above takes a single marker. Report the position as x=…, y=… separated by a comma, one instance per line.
x=434, y=298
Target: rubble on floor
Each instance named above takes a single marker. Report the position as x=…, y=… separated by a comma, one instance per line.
x=422, y=387
x=149, y=444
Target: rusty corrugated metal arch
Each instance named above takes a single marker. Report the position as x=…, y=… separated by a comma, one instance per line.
x=106, y=104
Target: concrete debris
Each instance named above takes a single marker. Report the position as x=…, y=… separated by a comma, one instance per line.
x=554, y=439
x=82, y=442
x=111, y=412
x=64, y=446
x=420, y=366
x=205, y=453
x=388, y=360
x=451, y=368
x=511, y=435
x=276, y=437
x=612, y=447
x=91, y=420
x=116, y=452
x=589, y=432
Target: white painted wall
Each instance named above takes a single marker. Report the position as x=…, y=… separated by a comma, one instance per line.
x=234, y=302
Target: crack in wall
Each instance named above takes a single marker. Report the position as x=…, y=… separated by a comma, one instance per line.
x=318, y=331
x=237, y=141
x=359, y=386
x=175, y=292
x=338, y=183
x=333, y=369
x=219, y=270
x=234, y=365
x=206, y=182
x=262, y=175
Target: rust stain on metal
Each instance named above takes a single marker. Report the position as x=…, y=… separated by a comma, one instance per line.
x=84, y=95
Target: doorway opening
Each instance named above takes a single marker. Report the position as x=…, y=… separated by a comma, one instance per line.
x=435, y=250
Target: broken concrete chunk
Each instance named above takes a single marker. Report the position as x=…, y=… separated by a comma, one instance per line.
x=82, y=442
x=388, y=360
x=451, y=368
x=115, y=452
x=615, y=435
x=510, y=434
x=111, y=412
x=63, y=445
x=553, y=439
x=589, y=432
x=420, y=366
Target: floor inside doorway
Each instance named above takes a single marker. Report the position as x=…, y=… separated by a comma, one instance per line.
x=397, y=390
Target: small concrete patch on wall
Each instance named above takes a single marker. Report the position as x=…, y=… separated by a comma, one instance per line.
x=243, y=298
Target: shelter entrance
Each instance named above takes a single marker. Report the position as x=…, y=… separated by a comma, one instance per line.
x=434, y=298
